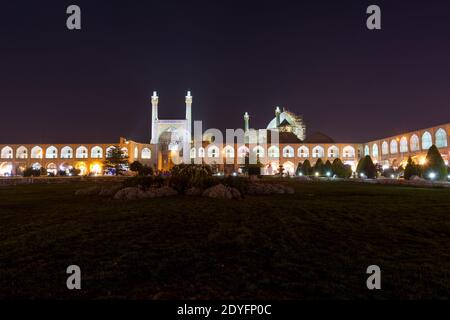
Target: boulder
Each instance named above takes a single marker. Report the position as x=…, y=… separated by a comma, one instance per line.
x=127, y=194
x=165, y=192
x=222, y=192
x=109, y=191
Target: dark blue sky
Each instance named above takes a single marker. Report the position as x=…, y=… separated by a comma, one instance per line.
x=315, y=58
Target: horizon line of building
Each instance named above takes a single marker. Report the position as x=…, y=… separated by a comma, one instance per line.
x=293, y=146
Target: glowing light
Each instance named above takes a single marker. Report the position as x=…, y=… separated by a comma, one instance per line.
x=328, y=173
x=422, y=161
x=300, y=174
x=385, y=167
x=432, y=175
x=392, y=176
x=362, y=175
x=316, y=174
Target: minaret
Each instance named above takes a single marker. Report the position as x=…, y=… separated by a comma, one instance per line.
x=277, y=115
x=246, y=118
x=154, y=117
x=189, y=114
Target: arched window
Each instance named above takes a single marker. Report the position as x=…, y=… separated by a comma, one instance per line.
x=394, y=146
x=7, y=153
x=318, y=152
x=288, y=152
x=403, y=144
x=303, y=152
x=259, y=151
x=97, y=152
x=441, y=138
x=243, y=151
x=136, y=152
x=146, y=153
x=375, y=151
x=22, y=153
x=333, y=152
x=427, y=141
x=67, y=153
x=51, y=153
x=366, y=150
x=229, y=152
x=82, y=152
x=125, y=152
x=109, y=150
x=36, y=153
x=201, y=152
x=273, y=152
x=348, y=152
x=414, y=143
x=385, y=148
x=213, y=152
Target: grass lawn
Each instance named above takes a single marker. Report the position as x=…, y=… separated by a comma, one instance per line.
x=315, y=244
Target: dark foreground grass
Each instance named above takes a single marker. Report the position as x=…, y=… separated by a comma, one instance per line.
x=314, y=244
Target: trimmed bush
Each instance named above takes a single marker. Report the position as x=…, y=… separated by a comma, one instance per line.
x=366, y=167
x=319, y=167
x=411, y=169
x=341, y=170
x=306, y=168
x=434, y=168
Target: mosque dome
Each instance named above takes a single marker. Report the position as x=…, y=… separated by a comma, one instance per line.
x=289, y=122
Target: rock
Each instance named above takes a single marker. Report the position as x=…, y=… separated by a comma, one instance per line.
x=165, y=192
x=127, y=194
x=109, y=190
x=194, y=191
x=417, y=178
x=222, y=192
x=91, y=191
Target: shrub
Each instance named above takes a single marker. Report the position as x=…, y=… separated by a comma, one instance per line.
x=319, y=167
x=434, y=165
x=306, y=168
x=328, y=168
x=136, y=166
x=75, y=172
x=411, y=169
x=146, y=171
x=366, y=167
x=30, y=172
x=62, y=173
x=341, y=170
x=184, y=176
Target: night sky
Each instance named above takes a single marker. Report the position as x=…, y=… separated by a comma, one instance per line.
x=315, y=58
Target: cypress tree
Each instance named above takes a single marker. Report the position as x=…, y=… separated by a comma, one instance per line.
x=306, y=168
x=319, y=167
x=299, y=169
x=434, y=167
x=328, y=168
x=366, y=167
x=411, y=169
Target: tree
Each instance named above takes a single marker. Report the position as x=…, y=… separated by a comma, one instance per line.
x=319, y=167
x=411, y=169
x=117, y=160
x=136, y=166
x=299, y=169
x=146, y=171
x=366, y=168
x=434, y=167
x=306, y=168
x=328, y=169
x=341, y=170
x=74, y=172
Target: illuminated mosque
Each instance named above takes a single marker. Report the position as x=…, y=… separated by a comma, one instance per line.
x=292, y=147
